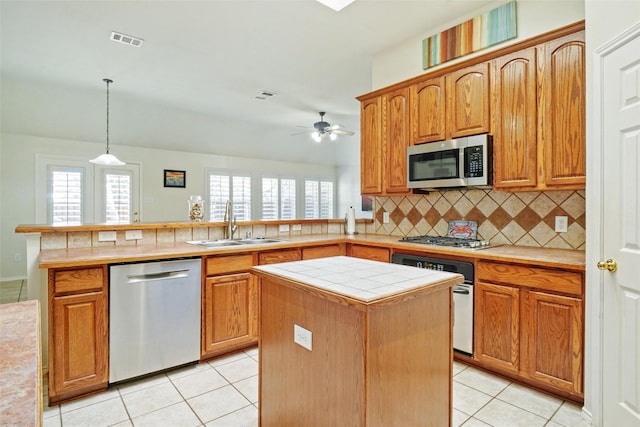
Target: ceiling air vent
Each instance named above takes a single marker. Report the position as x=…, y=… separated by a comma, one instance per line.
x=264, y=95
x=125, y=39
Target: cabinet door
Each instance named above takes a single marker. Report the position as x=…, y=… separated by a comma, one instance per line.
x=515, y=118
x=230, y=313
x=323, y=251
x=563, y=114
x=427, y=108
x=283, y=255
x=468, y=101
x=371, y=147
x=396, y=140
x=497, y=325
x=553, y=340
x=78, y=346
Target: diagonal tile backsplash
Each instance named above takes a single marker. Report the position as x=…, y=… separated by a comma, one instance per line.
x=526, y=218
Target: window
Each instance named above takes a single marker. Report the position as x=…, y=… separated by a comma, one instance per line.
x=229, y=187
x=318, y=199
x=118, y=197
x=65, y=187
x=278, y=198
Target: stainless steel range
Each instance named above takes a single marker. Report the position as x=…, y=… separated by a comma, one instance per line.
x=461, y=234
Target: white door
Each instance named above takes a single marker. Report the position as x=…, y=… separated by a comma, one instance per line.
x=620, y=98
x=117, y=194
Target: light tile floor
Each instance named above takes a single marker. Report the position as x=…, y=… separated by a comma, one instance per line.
x=224, y=392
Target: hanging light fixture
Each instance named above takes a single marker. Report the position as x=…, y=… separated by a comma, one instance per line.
x=107, y=158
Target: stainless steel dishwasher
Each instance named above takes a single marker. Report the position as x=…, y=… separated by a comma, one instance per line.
x=154, y=316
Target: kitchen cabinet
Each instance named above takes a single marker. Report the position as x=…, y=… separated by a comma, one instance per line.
x=539, y=116
x=78, y=331
x=427, y=110
x=374, y=253
x=515, y=111
x=371, y=148
x=229, y=305
x=562, y=103
x=323, y=251
x=396, y=140
x=281, y=255
x=467, y=106
x=530, y=324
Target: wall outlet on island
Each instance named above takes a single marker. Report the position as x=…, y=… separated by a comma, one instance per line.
x=302, y=337
x=561, y=224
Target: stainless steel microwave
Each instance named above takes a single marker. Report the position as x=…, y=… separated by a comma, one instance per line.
x=462, y=162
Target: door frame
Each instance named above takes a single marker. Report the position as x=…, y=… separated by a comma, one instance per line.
x=594, y=334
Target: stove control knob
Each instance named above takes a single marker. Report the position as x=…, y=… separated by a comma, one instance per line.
x=474, y=244
x=484, y=243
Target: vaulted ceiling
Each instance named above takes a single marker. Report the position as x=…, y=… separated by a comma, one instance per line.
x=191, y=85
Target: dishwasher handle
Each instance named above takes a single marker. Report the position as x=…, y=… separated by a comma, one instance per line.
x=461, y=290
x=152, y=277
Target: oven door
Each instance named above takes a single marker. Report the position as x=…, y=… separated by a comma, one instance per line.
x=463, y=318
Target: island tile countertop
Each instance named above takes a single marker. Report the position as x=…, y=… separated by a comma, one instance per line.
x=20, y=367
x=360, y=279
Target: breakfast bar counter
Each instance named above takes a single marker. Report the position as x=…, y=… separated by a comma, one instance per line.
x=348, y=341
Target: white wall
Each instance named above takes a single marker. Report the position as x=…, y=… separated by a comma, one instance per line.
x=18, y=174
x=534, y=17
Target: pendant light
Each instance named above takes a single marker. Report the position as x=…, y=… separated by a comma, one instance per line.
x=107, y=158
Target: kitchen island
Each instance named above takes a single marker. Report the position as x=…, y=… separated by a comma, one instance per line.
x=347, y=341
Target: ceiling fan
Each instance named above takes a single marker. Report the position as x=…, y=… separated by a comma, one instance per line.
x=323, y=129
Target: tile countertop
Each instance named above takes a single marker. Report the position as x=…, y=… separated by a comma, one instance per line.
x=20, y=371
x=360, y=279
x=560, y=258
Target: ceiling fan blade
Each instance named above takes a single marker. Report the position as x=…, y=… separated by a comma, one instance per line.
x=299, y=133
x=342, y=132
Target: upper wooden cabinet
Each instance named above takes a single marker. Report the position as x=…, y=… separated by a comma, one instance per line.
x=396, y=140
x=427, y=105
x=539, y=116
x=515, y=112
x=468, y=101
x=371, y=154
x=563, y=111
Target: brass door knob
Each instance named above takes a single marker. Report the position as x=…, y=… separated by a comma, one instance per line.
x=609, y=264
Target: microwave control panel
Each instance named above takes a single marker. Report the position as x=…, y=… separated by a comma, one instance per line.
x=473, y=161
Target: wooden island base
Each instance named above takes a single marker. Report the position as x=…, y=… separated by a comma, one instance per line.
x=386, y=362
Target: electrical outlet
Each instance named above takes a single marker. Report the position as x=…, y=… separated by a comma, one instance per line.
x=296, y=227
x=133, y=234
x=302, y=337
x=106, y=236
x=283, y=228
x=561, y=224
x=385, y=217
x=17, y=257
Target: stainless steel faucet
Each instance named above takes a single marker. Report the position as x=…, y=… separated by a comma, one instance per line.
x=230, y=221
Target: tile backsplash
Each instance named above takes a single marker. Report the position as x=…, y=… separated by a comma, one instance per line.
x=525, y=218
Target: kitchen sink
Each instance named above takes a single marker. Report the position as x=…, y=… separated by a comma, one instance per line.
x=214, y=243
x=227, y=242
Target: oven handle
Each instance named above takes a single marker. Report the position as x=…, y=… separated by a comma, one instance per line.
x=461, y=290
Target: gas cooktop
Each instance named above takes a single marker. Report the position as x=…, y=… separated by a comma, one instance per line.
x=460, y=234
x=453, y=242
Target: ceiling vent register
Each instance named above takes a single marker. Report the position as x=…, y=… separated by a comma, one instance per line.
x=125, y=39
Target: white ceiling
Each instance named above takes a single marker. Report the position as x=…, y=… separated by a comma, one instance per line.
x=191, y=85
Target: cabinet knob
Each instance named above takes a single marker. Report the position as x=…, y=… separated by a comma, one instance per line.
x=609, y=264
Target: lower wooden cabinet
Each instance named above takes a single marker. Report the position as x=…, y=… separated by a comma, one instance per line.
x=230, y=312
x=229, y=305
x=529, y=323
x=78, y=332
x=323, y=251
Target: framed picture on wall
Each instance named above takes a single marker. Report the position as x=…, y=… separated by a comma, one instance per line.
x=176, y=179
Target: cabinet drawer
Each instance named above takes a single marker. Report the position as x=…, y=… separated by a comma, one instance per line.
x=322, y=251
x=532, y=277
x=228, y=264
x=77, y=280
x=273, y=257
x=369, y=252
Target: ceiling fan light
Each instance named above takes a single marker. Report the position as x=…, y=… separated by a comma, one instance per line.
x=333, y=136
x=315, y=135
x=108, y=160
